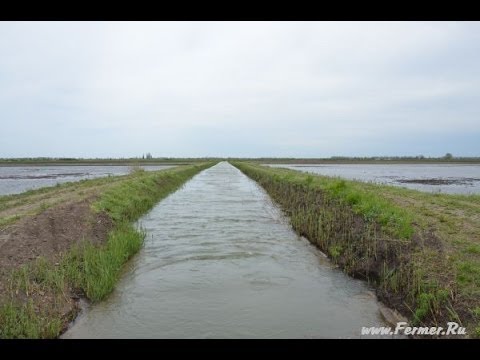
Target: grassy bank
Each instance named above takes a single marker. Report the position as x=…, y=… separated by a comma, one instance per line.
x=39, y=298
x=421, y=250
x=16, y=206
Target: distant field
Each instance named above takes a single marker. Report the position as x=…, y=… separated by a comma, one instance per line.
x=365, y=161
x=178, y=161
x=103, y=162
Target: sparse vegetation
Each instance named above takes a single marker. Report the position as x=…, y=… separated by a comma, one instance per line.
x=421, y=250
x=86, y=269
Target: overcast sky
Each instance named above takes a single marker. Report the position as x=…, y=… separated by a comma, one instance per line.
x=313, y=89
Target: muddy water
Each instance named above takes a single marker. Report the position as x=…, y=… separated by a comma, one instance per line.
x=437, y=178
x=16, y=179
x=220, y=261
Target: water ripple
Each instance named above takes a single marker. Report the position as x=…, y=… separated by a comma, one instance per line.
x=221, y=261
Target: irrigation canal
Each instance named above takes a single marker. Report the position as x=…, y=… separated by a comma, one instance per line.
x=221, y=261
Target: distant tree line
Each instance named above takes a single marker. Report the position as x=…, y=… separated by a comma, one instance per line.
x=149, y=156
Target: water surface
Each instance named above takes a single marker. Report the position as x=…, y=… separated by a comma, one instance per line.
x=444, y=178
x=17, y=179
x=221, y=261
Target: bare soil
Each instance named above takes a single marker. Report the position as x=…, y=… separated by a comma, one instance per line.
x=50, y=234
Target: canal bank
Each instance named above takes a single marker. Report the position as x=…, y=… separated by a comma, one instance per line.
x=221, y=261
x=63, y=243
x=420, y=250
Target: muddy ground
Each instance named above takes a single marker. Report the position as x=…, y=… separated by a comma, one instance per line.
x=50, y=234
x=438, y=181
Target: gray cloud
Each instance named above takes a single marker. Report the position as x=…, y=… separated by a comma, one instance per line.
x=239, y=89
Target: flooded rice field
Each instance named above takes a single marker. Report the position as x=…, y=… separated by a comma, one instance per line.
x=444, y=178
x=17, y=179
x=221, y=261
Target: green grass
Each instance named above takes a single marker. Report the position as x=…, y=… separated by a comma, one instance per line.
x=86, y=268
x=8, y=220
x=421, y=250
x=22, y=321
x=96, y=272
x=38, y=200
x=131, y=198
x=363, y=201
x=469, y=274
x=7, y=201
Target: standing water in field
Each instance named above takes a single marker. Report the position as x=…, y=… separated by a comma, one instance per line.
x=221, y=261
x=441, y=178
x=17, y=179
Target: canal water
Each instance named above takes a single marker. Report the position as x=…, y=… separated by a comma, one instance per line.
x=221, y=261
